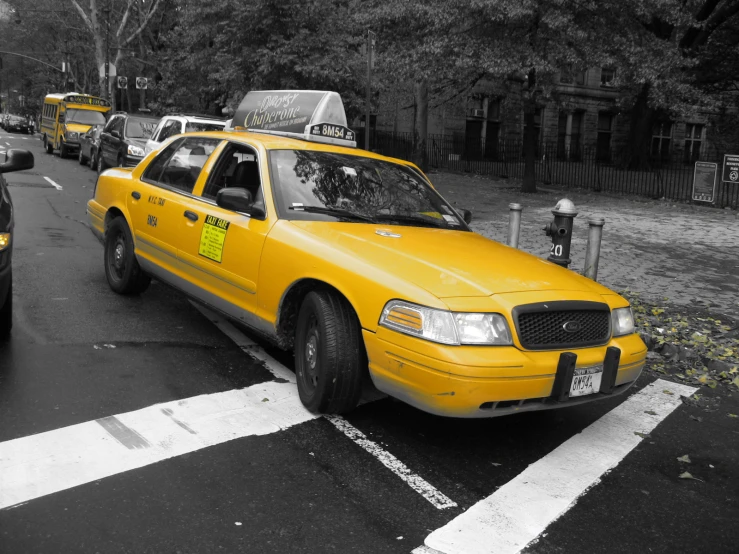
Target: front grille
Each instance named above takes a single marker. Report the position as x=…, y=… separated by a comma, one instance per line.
x=542, y=326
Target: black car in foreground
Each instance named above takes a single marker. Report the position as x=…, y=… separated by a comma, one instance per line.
x=15, y=160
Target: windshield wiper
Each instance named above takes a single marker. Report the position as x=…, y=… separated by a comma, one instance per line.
x=414, y=220
x=336, y=212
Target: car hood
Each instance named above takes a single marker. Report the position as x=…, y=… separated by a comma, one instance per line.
x=448, y=263
x=80, y=128
x=141, y=143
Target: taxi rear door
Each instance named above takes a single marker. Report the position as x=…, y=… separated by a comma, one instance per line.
x=156, y=204
x=222, y=248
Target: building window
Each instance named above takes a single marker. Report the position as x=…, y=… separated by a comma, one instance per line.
x=570, y=75
x=605, y=130
x=661, y=138
x=693, y=141
x=475, y=106
x=569, y=132
x=607, y=75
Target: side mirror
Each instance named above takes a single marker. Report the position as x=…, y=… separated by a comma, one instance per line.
x=238, y=200
x=17, y=160
x=466, y=215
x=116, y=134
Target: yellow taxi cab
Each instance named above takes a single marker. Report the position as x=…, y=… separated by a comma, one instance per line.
x=355, y=262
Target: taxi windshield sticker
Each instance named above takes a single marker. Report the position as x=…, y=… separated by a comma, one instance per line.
x=213, y=237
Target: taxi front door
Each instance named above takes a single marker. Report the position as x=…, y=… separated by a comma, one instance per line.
x=222, y=248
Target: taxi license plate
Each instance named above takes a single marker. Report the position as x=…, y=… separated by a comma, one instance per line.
x=586, y=380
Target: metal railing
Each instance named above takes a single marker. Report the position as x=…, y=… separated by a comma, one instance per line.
x=593, y=168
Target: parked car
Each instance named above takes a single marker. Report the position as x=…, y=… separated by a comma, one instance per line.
x=17, y=123
x=123, y=140
x=90, y=146
x=355, y=262
x=176, y=124
x=15, y=160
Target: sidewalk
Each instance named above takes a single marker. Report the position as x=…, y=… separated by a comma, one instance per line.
x=668, y=252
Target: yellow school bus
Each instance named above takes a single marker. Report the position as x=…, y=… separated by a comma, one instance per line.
x=65, y=117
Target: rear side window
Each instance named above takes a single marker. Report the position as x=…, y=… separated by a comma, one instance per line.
x=181, y=163
x=171, y=128
x=193, y=126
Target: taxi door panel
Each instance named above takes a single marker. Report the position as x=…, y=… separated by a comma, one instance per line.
x=221, y=252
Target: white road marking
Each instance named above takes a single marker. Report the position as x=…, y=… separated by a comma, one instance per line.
x=521, y=510
x=246, y=344
x=38, y=465
x=53, y=184
x=417, y=483
x=6, y=142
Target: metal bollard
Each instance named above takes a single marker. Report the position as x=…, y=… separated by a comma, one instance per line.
x=592, y=255
x=514, y=224
x=561, y=232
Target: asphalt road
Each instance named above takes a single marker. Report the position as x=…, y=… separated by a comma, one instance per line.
x=260, y=475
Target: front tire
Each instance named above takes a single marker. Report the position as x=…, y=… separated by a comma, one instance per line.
x=102, y=166
x=330, y=359
x=63, y=150
x=6, y=313
x=121, y=267
x=49, y=147
x=81, y=158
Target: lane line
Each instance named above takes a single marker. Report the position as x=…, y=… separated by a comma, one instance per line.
x=416, y=482
x=42, y=464
x=53, y=184
x=520, y=510
x=6, y=142
x=246, y=344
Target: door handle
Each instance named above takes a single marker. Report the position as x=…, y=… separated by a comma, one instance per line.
x=192, y=216
x=136, y=195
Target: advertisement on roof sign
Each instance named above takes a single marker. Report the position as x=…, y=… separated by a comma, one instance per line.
x=278, y=111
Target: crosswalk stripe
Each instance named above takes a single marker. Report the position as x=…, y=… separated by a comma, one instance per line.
x=520, y=510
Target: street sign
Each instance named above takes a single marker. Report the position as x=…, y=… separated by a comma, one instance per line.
x=704, y=182
x=142, y=82
x=111, y=70
x=122, y=82
x=730, y=173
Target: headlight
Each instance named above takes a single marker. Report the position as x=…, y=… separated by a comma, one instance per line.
x=623, y=321
x=444, y=326
x=135, y=150
x=4, y=241
x=71, y=135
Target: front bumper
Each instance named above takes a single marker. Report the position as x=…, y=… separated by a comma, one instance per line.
x=483, y=381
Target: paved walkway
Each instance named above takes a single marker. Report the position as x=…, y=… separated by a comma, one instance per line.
x=668, y=252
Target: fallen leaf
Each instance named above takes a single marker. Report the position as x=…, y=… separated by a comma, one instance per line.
x=497, y=465
x=670, y=392
x=685, y=459
x=687, y=475
x=265, y=399
x=650, y=412
x=733, y=415
x=696, y=418
x=642, y=435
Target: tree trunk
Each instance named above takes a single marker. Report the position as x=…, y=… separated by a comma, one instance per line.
x=640, y=132
x=529, y=148
x=420, y=125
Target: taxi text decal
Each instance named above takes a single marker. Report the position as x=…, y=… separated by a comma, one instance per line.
x=213, y=237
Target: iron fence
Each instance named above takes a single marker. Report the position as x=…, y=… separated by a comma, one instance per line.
x=593, y=168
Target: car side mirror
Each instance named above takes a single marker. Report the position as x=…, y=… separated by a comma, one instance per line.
x=238, y=200
x=115, y=134
x=17, y=160
x=466, y=215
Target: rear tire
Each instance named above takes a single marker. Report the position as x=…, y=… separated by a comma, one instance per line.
x=330, y=360
x=93, y=160
x=102, y=166
x=121, y=267
x=6, y=313
x=81, y=158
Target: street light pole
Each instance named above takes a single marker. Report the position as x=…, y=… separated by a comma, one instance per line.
x=370, y=62
x=107, y=52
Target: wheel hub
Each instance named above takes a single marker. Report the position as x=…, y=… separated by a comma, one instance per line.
x=311, y=351
x=118, y=255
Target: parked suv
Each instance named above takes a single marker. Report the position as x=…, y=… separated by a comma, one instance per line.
x=123, y=140
x=176, y=124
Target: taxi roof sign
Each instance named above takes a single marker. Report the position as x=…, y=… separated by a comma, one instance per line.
x=314, y=115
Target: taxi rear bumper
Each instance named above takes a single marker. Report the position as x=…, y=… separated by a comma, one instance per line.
x=514, y=381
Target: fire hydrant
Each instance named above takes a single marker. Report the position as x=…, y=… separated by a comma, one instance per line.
x=561, y=232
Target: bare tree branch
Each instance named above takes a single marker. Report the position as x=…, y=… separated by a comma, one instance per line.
x=124, y=20
x=83, y=15
x=143, y=25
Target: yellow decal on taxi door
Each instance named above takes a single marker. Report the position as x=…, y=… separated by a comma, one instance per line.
x=213, y=237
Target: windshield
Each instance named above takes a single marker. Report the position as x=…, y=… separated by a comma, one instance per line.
x=192, y=127
x=140, y=128
x=85, y=117
x=374, y=190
